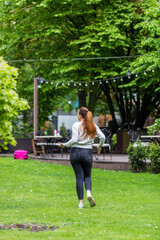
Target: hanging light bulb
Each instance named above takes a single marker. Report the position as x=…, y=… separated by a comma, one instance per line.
x=79, y=84
x=136, y=75
x=41, y=81
x=68, y=84
x=63, y=84
x=86, y=84
x=152, y=70
x=144, y=72
x=100, y=82
x=92, y=83
x=121, y=79
x=106, y=81
x=46, y=82
x=74, y=84
x=129, y=73
x=52, y=83
x=114, y=80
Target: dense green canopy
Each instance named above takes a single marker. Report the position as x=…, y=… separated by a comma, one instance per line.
x=46, y=29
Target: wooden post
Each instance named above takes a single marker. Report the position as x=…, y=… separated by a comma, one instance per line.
x=35, y=114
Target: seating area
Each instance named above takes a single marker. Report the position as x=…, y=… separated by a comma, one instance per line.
x=48, y=146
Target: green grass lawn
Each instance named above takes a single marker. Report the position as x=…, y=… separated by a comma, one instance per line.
x=128, y=204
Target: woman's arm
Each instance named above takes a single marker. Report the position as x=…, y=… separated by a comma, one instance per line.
x=100, y=135
x=74, y=138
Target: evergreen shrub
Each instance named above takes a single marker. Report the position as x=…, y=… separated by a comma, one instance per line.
x=154, y=156
x=137, y=155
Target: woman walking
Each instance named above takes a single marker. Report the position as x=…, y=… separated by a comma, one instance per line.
x=83, y=134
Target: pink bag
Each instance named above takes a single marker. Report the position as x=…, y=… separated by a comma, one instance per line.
x=20, y=154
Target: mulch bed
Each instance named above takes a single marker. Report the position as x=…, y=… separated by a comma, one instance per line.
x=29, y=227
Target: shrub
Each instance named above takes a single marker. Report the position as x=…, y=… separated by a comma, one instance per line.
x=154, y=156
x=137, y=154
x=114, y=141
x=50, y=129
x=154, y=128
x=63, y=130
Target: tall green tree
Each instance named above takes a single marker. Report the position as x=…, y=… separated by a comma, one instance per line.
x=87, y=28
x=10, y=103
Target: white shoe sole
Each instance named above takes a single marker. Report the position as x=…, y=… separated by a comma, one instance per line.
x=81, y=206
x=91, y=201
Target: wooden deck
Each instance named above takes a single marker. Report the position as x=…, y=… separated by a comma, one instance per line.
x=118, y=162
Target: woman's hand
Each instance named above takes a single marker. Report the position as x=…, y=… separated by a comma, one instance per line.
x=99, y=150
x=61, y=145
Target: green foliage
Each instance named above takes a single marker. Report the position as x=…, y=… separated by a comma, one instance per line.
x=50, y=129
x=114, y=141
x=154, y=156
x=10, y=103
x=63, y=131
x=85, y=28
x=137, y=154
x=155, y=128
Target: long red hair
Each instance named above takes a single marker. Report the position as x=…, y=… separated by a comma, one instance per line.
x=89, y=128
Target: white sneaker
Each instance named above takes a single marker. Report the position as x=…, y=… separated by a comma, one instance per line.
x=81, y=205
x=91, y=200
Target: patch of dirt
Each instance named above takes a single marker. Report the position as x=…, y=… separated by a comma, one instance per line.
x=29, y=227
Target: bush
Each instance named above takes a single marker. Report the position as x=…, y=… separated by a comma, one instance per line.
x=154, y=156
x=50, y=129
x=63, y=130
x=114, y=141
x=155, y=128
x=137, y=154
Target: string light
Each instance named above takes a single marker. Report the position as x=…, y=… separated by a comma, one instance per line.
x=100, y=81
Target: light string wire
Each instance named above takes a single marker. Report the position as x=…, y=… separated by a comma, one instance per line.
x=76, y=59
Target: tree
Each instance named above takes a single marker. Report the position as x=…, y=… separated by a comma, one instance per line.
x=86, y=28
x=10, y=103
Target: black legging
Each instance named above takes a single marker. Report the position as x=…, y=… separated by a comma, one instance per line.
x=81, y=160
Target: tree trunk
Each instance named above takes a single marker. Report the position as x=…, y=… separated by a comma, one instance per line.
x=106, y=91
x=82, y=98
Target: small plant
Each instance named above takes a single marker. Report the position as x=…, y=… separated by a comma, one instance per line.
x=50, y=129
x=63, y=130
x=114, y=141
x=155, y=128
x=137, y=154
x=154, y=156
